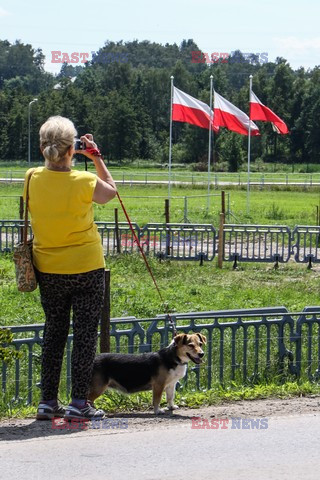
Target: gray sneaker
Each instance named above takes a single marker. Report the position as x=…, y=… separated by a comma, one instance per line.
x=46, y=412
x=87, y=412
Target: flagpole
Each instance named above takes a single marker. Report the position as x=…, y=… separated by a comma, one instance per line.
x=249, y=147
x=170, y=139
x=210, y=140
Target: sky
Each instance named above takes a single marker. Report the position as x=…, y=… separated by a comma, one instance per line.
x=279, y=28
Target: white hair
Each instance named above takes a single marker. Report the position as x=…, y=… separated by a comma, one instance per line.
x=56, y=137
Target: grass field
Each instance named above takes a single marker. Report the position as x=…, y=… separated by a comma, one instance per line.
x=145, y=175
x=185, y=286
x=140, y=165
x=145, y=204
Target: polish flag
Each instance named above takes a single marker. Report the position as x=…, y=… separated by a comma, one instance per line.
x=190, y=110
x=228, y=115
x=258, y=111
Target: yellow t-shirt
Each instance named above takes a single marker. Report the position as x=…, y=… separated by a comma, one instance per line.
x=66, y=239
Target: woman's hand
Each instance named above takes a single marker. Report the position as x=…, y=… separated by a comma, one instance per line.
x=87, y=139
x=105, y=188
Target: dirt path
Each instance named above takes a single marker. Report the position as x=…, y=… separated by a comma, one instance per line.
x=20, y=429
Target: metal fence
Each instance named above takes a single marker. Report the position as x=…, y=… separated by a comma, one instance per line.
x=242, y=346
x=171, y=241
x=178, y=241
x=11, y=234
x=307, y=244
x=187, y=241
x=117, y=238
x=192, y=178
x=257, y=243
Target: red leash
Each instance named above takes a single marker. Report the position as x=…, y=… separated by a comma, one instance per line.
x=147, y=264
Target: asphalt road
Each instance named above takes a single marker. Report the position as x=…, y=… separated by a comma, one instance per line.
x=287, y=449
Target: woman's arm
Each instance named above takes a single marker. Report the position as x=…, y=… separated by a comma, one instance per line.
x=105, y=189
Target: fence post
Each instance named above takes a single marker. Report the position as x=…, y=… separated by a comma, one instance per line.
x=116, y=221
x=185, y=215
x=21, y=208
x=223, y=202
x=167, y=215
x=220, y=241
x=105, y=316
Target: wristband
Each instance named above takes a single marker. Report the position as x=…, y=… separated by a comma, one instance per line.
x=94, y=151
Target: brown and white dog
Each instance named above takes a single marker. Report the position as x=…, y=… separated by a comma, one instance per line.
x=157, y=371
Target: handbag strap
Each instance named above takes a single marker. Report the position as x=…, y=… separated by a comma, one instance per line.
x=25, y=230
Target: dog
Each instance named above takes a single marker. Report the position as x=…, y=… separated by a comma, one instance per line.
x=157, y=371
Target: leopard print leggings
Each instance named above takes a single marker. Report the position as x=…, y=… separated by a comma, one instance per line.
x=83, y=293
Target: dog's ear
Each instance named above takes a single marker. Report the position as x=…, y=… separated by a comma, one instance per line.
x=180, y=339
x=202, y=338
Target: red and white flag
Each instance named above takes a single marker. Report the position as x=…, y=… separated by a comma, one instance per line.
x=258, y=111
x=229, y=116
x=190, y=110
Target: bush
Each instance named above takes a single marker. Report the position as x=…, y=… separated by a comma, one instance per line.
x=275, y=213
x=7, y=352
x=200, y=167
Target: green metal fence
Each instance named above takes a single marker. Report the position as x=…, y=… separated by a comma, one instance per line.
x=242, y=346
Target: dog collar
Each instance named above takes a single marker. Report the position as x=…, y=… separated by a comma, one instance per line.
x=181, y=363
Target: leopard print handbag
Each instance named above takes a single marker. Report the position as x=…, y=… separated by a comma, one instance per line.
x=22, y=256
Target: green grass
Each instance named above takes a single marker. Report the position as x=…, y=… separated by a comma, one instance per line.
x=145, y=175
x=115, y=402
x=140, y=165
x=185, y=286
x=147, y=205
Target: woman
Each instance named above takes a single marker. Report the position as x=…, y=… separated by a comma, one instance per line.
x=69, y=261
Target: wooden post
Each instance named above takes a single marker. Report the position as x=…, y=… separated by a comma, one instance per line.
x=221, y=243
x=167, y=215
x=167, y=210
x=116, y=221
x=223, y=202
x=21, y=209
x=105, y=317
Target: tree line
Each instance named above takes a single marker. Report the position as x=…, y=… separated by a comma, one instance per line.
x=122, y=95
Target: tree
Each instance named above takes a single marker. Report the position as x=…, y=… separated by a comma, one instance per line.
x=118, y=130
x=231, y=151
